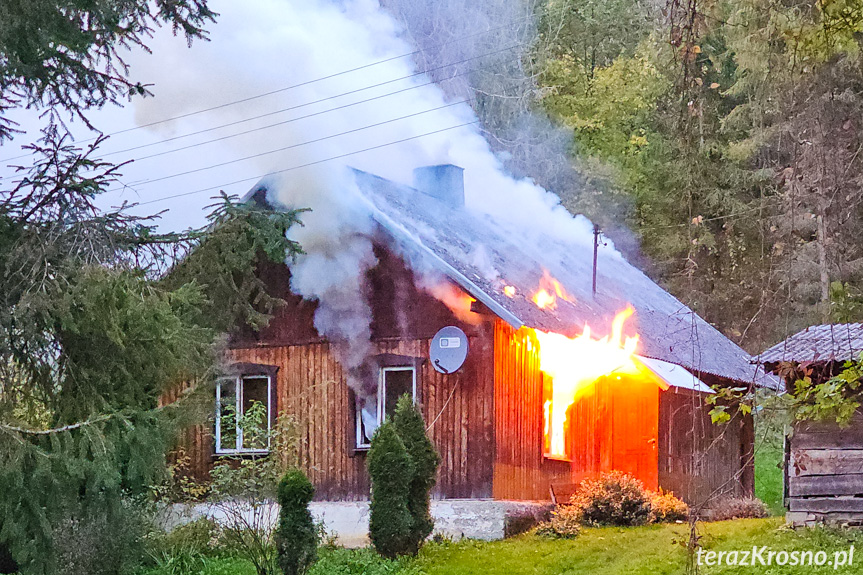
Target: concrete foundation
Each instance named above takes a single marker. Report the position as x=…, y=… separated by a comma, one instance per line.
x=348, y=521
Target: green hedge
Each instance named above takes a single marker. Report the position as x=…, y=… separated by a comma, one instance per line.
x=296, y=537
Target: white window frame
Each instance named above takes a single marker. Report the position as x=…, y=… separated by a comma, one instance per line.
x=382, y=394
x=238, y=383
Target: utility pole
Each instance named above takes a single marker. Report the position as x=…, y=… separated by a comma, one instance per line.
x=595, y=254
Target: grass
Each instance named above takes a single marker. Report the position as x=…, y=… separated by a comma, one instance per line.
x=649, y=550
x=769, y=445
x=768, y=477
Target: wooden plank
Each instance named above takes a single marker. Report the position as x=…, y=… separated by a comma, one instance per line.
x=850, y=484
x=835, y=439
x=826, y=504
x=805, y=462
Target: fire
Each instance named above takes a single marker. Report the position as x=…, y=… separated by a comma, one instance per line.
x=575, y=364
x=459, y=302
x=549, y=291
x=509, y=291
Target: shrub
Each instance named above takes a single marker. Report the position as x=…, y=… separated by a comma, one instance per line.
x=411, y=429
x=390, y=470
x=739, y=508
x=563, y=524
x=102, y=541
x=615, y=498
x=665, y=507
x=196, y=536
x=244, y=490
x=184, y=549
x=296, y=536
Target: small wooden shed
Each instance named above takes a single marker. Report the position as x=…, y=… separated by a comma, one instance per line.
x=487, y=419
x=823, y=461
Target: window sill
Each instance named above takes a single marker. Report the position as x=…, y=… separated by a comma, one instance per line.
x=241, y=454
x=563, y=458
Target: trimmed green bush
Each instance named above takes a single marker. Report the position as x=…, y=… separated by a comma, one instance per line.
x=390, y=470
x=296, y=536
x=411, y=429
x=564, y=523
x=665, y=507
x=616, y=498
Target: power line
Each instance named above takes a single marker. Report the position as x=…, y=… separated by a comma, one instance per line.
x=258, y=117
x=342, y=107
x=295, y=145
x=333, y=97
x=292, y=146
x=308, y=82
x=211, y=188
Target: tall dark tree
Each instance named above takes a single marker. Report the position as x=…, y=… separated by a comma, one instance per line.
x=66, y=56
x=90, y=333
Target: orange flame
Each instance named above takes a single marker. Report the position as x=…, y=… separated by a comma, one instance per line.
x=456, y=300
x=575, y=364
x=509, y=291
x=549, y=290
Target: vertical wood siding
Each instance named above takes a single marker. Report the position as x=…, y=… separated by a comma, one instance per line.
x=520, y=470
x=311, y=386
x=699, y=460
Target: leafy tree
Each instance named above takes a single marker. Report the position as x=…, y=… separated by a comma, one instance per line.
x=410, y=427
x=296, y=537
x=391, y=471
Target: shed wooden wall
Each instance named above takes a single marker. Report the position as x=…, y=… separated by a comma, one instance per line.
x=824, y=470
x=699, y=459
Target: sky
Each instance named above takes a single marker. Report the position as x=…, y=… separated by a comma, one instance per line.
x=252, y=51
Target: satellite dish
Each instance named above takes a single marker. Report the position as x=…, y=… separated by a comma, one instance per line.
x=448, y=349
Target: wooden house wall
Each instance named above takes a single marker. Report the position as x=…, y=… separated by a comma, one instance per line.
x=613, y=426
x=825, y=470
x=520, y=470
x=697, y=458
x=311, y=385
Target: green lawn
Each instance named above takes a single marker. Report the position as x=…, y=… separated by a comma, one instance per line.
x=651, y=550
x=769, y=445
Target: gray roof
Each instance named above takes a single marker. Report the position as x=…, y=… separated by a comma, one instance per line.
x=450, y=238
x=818, y=343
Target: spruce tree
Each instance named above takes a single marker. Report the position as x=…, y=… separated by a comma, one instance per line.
x=410, y=427
x=390, y=470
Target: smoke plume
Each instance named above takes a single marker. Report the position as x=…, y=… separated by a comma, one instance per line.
x=268, y=44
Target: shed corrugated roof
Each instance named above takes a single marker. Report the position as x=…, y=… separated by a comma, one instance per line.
x=464, y=245
x=818, y=343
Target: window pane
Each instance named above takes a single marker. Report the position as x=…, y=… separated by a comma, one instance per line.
x=397, y=383
x=255, y=416
x=228, y=414
x=367, y=420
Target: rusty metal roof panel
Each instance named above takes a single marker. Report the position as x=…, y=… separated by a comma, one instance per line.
x=450, y=238
x=827, y=342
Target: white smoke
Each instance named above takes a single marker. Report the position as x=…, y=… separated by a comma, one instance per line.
x=268, y=44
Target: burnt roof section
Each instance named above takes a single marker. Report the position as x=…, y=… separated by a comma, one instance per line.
x=450, y=238
x=830, y=342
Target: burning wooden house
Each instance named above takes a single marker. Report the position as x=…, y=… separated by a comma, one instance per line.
x=823, y=461
x=577, y=363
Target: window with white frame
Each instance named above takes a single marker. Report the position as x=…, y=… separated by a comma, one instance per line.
x=244, y=406
x=393, y=382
